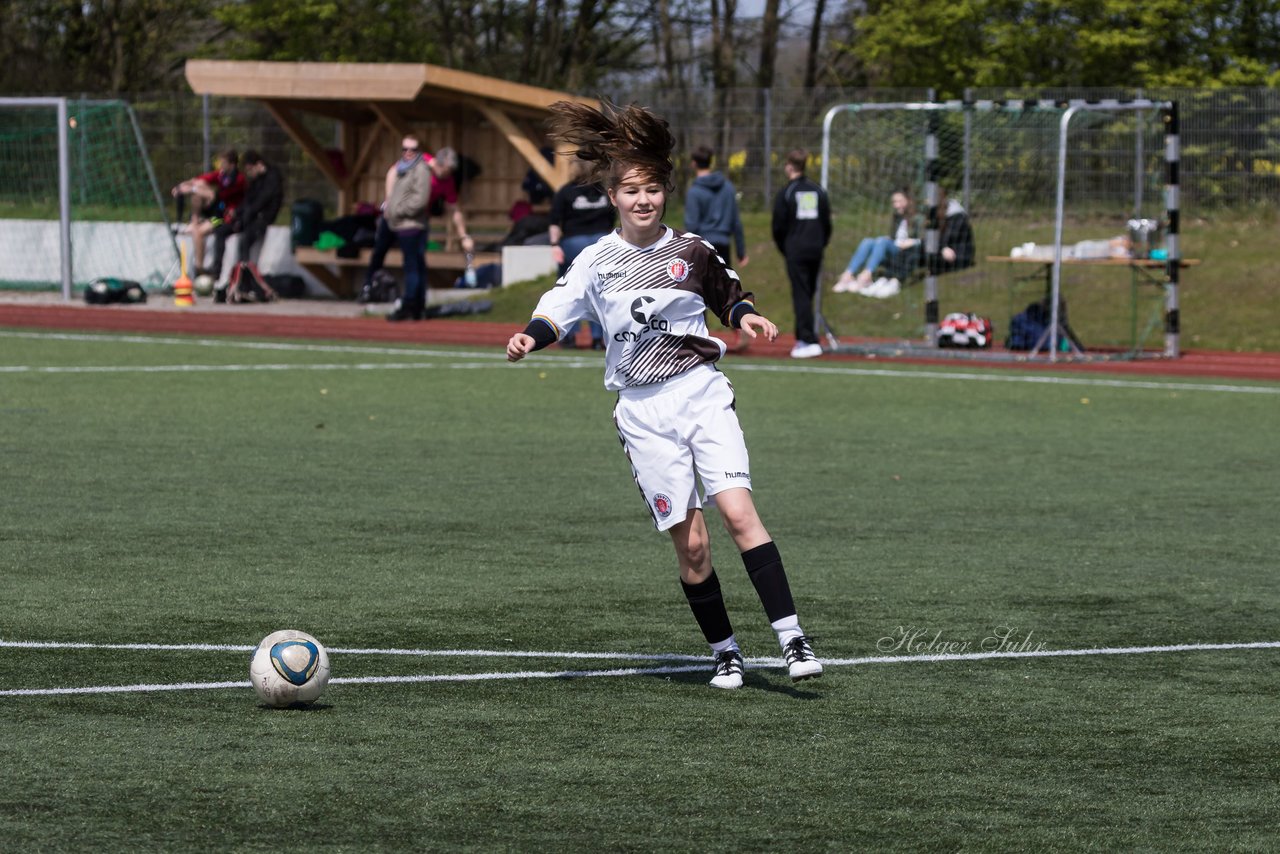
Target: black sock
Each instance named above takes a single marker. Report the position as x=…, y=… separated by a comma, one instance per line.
x=764, y=565
x=707, y=604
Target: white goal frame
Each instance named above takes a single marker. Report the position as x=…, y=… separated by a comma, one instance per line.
x=65, y=118
x=64, y=179
x=1069, y=109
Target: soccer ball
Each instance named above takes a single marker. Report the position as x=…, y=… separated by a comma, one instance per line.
x=289, y=668
x=204, y=285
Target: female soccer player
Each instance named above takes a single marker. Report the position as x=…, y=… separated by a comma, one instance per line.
x=649, y=288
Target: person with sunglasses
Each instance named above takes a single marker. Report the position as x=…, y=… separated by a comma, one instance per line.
x=413, y=184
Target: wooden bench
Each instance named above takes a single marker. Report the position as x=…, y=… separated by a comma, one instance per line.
x=486, y=226
x=341, y=275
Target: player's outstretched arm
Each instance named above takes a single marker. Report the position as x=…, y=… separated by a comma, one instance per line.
x=519, y=346
x=755, y=325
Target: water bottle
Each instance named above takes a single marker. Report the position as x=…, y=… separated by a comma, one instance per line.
x=469, y=274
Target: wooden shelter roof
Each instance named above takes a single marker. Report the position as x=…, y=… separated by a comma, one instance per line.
x=417, y=87
x=391, y=95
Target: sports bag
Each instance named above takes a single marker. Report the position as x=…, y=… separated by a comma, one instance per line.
x=1026, y=327
x=246, y=285
x=382, y=287
x=109, y=290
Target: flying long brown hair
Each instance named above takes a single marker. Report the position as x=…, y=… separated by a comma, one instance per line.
x=615, y=140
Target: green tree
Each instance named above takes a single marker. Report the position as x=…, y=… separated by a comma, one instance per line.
x=554, y=43
x=955, y=44
x=324, y=31
x=97, y=46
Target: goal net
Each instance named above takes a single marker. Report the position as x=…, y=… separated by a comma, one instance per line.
x=1000, y=165
x=78, y=201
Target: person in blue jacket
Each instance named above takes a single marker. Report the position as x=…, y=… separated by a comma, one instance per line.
x=711, y=209
x=711, y=212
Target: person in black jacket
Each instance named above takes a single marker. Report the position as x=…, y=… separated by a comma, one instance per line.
x=581, y=214
x=801, y=231
x=955, y=241
x=262, y=202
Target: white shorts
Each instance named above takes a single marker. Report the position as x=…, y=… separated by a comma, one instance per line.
x=678, y=432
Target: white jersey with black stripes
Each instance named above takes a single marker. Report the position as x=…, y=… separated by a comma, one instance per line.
x=651, y=302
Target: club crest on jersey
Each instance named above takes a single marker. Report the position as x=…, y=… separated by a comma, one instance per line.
x=678, y=269
x=662, y=505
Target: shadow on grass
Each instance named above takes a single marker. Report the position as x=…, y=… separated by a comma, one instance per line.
x=754, y=679
x=296, y=707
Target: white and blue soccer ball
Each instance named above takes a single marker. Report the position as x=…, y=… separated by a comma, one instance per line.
x=289, y=668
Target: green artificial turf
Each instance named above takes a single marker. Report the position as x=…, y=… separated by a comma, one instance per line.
x=438, y=499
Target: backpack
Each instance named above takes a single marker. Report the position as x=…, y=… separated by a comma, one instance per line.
x=107, y=290
x=1026, y=327
x=246, y=285
x=287, y=285
x=381, y=287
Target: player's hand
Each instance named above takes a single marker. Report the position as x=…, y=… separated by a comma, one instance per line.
x=948, y=254
x=755, y=325
x=557, y=255
x=744, y=261
x=519, y=346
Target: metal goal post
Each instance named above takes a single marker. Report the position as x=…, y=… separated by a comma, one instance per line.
x=928, y=120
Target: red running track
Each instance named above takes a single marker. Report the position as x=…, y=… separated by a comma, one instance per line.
x=271, y=323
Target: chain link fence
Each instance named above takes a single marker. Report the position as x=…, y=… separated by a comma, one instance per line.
x=184, y=132
x=1230, y=137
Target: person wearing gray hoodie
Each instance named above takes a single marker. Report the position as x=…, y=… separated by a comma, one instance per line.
x=711, y=209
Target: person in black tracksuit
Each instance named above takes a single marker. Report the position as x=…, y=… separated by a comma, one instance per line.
x=262, y=202
x=581, y=214
x=801, y=231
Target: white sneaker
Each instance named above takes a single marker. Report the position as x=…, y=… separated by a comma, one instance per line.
x=728, y=670
x=873, y=289
x=883, y=289
x=845, y=286
x=806, y=351
x=800, y=659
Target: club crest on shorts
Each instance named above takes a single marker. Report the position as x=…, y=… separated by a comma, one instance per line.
x=678, y=269
x=662, y=505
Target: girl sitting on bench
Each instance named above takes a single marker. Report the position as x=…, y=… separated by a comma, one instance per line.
x=900, y=251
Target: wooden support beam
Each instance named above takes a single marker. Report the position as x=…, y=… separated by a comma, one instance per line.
x=556, y=175
x=372, y=136
x=565, y=155
x=286, y=119
x=390, y=120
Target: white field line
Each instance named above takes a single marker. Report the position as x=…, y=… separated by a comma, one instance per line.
x=237, y=344
x=495, y=358
x=444, y=653
x=753, y=663
x=233, y=369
